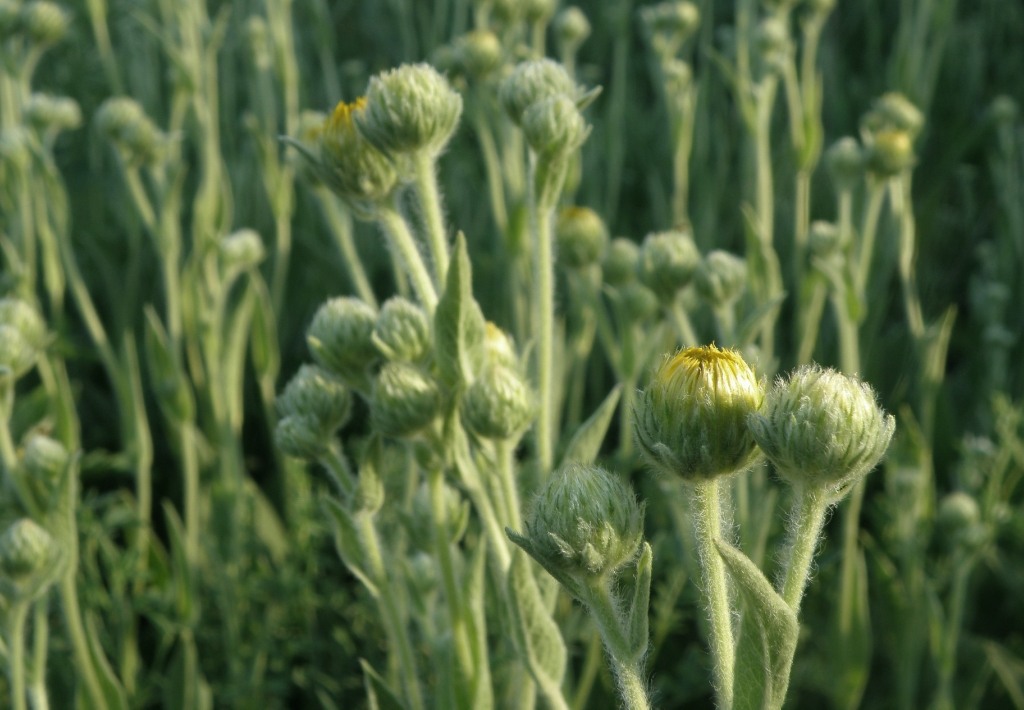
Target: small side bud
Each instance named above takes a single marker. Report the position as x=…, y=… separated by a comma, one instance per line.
x=774, y=42
x=350, y=165
x=581, y=235
x=824, y=239
x=22, y=336
x=402, y=331
x=639, y=303
x=691, y=421
x=584, y=524
x=668, y=261
x=554, y=127
x=621, y=262
x=571, y=28
x=478, y=53
x=845, y=162
x=405, y=400
x=25, y=550
x=240, y=251
x=44, y=22
x=316, y=394
x=721, y=278
x=42, y=469
x=123, y=121
x=958, y=519
x=531, y=82
x=821, y=428
x=53, y=113
x=340, y=338
x=890, y=152
x=409, y=109
x=498, y=405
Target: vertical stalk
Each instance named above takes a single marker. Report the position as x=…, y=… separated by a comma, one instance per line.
x=16, y=653
x=805, y=524
x=541, y=218
x=625, y=663
x=429, y=197
x=40, y=642
x=402, y=242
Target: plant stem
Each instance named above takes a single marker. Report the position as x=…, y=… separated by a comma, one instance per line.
x=401, y=239
x=707, y=515
x=16, y=653
x=625, y=661
x=40, y=638
x=541, y=216
x=429, y=197
x=806, y=521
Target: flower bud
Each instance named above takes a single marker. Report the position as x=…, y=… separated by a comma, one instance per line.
x=1004, y=109
x=25, y=550
x=894, y=111
x=124, y=122
x=581, y=236
x=621, y=262
x=531, y=82
x=478, y=53
x=668, y=261
x=638, y=302
x=241, y=250
x=721, y=278
x=409, y=109
x=57, y=113
x=889, y=152
x=677, y=20
x=316, y=394
x=22, y=336
x=554, y=127
x=538, y=10
x=43, y=466
x=499, y=349
x=691, y=421
x=44, y=22
x=571, y=29
x=824, y=239
x=299, y=436
x=585, y=522
x=498, y=405
x=821, y=428
x=405, y=400
x=958, y=521
x=845, y=163
x=340, y=338
x=402, y=331
x=773, y=42
x=350, y=165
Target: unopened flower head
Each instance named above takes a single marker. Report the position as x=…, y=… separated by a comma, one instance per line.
x=821, y=428
x=53, y=113
x=571, y=29
x=350, y=165
x=890, y=151
x=340, y=338
x=894, y=111
x=409, y=109
x=300, y=436
x=43, y=468
x=669, y=25
x=845, y=162
x=824, y=239
x=27, y=554
x=126, y=124
x=585, y=522
x=22, y=336
x=478, y=53
x=638, y=302
x=402, y=332
x=581, y=235
x=45, y=22
x=499, y=403
x=691, y=421
x=721, y=277
x=315, y=393
x=621, y=261
x=405, y=400
x=531, y=82
x=498, y=347
x=554, y=127
x=668, y=261
x=241, y=250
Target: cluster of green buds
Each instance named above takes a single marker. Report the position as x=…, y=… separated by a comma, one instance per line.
x=311, y=408
x=888, y=131
x=124, y=122
x=22, y=337
x=571, y=28
x=41, y=22
x=774, y=43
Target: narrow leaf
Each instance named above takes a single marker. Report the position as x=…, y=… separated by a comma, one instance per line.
x=378, y=693
x=586, y=441
x=458, y=321
x=536, y=635
x=346, y=541
x=638, y=613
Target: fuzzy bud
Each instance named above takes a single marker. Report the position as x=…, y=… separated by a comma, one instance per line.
x=498, y=405
x=889, y=152
x=300, y=437
x=402, y=332
x=845, y=163
x=585, y=523
x=774, y=42
x=668, y=261
x=677, y=20
x=894, y=111
x=123, y=121
x=691, y=421
x=25, y=550
x=409, y=109
x=621, y=262
x=554, y=127
x=319, y=396
x=959, y=519
x=499, y=349
x=43, y=466
x=241, y=250
x=350, y=165
x=22, y=336
x=571, y=29
x=581, y=235
x=44, y=22
x=532, y=82
x=53, y=113
x=821, y=428
x=824, y=239
x=405, y=400
x=340, y=338
x=721, y=278
x=478, y=53
x=638, y=302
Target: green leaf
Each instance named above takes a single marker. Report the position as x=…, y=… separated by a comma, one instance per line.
x=536, y=635
x=769, y=636
x=181, y=568
x=166, y=373
x=113, y=693
x=852, y=637
x=378, y=693
x=1009, y=669
x=458, y=322
x=482, y=689
x=586, y=441
x=264, y=351
x=638, y=633
x=346, y=541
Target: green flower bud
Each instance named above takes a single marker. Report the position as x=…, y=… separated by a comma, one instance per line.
x=456, y=512
x=402, y=332
x=571, y=29
x=677, y=20
x=532, y=82
x=350, y=165
x=498, y=405
x=478, y=53
x=538, y=10
x=340, y=338
x=691, y=421
x=639, y=303
x=721, y=277
x=845, y=163
x=499, y=349
x=668, y=261
x=774, y=42
x=581, y=235
x=889, y=152
x=584, y=523
x=958, y=521
x=15, y=148
x=824, y=239
x=25, y=550
x=22, y=336
x=621, y=262
x=821, y=428
x=1004, y=109
x=241, y=250
x=43, y=466
x=405, y=400
x=300, y=437
x=409, y=109
x=894, y=111
x=317, y=395
x=44, y=22
x=122, y=120
x=57, y=113
x=554, y=127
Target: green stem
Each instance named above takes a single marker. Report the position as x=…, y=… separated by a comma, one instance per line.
x=625, y=661
x=806, y=521
x=951, y=638
x=40, y=641
x=876, y=196
x=77, y=637
x=16, y=653
x=402, y=242
x=429, y=197
x=542, y=205
x=340, y=223
x=707, y=516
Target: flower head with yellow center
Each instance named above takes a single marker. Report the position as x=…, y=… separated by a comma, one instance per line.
x=691, y=421
x=349, y=165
